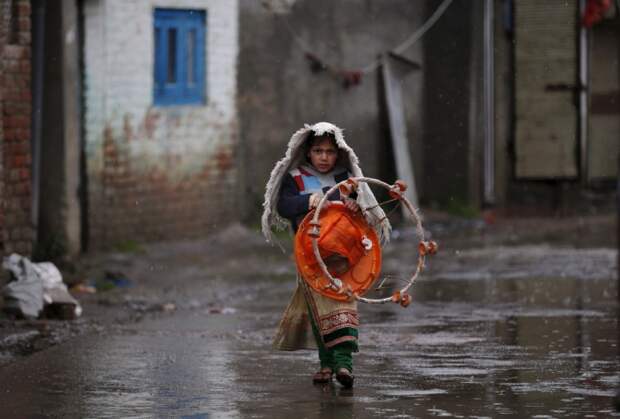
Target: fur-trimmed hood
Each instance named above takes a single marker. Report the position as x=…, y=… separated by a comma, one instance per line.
x=294, y=157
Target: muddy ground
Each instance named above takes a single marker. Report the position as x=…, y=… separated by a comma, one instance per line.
x=516, y=318
x=206, y=274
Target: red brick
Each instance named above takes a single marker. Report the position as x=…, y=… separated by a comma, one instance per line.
x=24, y=24
x=10, y=94
x=16, y=148
x=25, y=66
x=25, y=203
x=7, y=122
x=12, y=206
x=23, y=9
x=24, y=173
x=11, y=107
x=14, y=234
x=24, y=38
x=21, y=121
x=9, y=219
x=16, y=121
x=26, y=51
x=23, y=188
x=13, y=51
x=23, y=247
x=9, y=134
x=23, y=134
x=25, y=94
x=21, y=83
x=17, y=107
x=20, y=160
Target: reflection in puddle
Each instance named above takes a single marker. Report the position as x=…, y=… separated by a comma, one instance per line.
x=484, y=348
x=443, y=338
x=438, y=372
x=526, y=344
x=414, y=393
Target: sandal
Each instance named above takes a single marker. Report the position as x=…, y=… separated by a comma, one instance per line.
x=345, y=377
x=323, y=376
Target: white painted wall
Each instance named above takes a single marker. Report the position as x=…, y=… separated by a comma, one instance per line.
x=182, y=142
x=119, y=80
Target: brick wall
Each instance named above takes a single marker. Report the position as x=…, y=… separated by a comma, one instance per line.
x=15, y=110
x=156, y=173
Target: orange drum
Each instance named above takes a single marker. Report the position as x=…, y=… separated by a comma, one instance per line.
x=349, y=248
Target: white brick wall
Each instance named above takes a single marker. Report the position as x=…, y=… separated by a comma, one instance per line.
x=119, y=82
x=94, y=82
x=156, y=171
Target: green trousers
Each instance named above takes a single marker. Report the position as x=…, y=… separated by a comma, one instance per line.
x=336, y=357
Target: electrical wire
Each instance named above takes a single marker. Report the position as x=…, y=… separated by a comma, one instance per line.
x=399, y=49
x=415, y=37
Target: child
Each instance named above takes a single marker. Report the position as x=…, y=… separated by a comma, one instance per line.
x=317, y=158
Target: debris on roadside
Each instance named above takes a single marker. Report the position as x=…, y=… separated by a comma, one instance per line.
x=83, y=289
x=111, y=280
x=139, y=305
x=222, y=310
x=37, y=289
x=168, y=307
x=119, y=279
x=18, y=338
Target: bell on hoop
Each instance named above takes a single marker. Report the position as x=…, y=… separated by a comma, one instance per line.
x=348, y=246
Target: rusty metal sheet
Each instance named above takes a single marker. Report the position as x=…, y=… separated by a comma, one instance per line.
x=545, y=78
x=394, y=68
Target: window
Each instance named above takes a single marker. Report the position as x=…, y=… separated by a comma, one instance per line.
x=179, y=57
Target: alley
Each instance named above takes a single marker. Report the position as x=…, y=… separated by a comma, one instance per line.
x=145, y=144
x=493, y=331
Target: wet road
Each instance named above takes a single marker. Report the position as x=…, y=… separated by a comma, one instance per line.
x=496, y=344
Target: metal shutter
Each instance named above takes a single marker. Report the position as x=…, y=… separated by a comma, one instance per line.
x=545, y=72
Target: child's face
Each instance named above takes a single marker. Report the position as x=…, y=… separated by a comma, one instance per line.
x=323, y=155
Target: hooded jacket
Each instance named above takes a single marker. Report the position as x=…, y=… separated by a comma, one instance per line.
x=294, y=157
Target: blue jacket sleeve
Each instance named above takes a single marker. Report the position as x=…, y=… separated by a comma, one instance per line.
x=291, y=204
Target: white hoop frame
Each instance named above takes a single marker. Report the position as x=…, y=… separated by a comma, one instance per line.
x=335, y=283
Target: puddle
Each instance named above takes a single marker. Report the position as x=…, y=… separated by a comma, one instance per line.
x=515, y=348
x=414, y=393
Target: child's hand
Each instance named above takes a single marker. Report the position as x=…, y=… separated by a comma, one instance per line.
x=351, y=205
x=315, y=198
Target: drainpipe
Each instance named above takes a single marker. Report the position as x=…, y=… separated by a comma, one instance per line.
x=83, y=172
x=488, y=106
x=583, y=96
x=38, y=63
x=617, y=398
